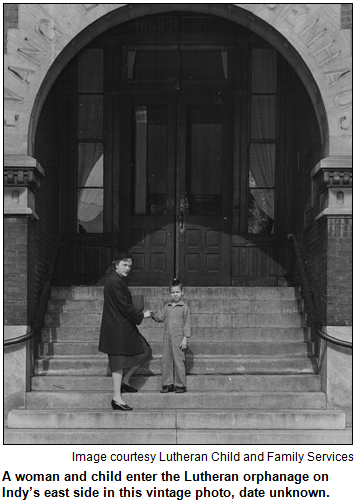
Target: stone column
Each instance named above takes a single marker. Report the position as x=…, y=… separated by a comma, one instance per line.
x=22, y=176
x=332, y=195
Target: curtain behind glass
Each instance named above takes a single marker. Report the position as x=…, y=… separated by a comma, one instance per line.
x=90, y=187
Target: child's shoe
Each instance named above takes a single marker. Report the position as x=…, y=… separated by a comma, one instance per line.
x=180, y=390
x=167, y=388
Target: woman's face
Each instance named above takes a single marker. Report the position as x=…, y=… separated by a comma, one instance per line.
x=123, y=268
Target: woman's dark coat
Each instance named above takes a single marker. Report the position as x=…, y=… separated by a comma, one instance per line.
x=119, y=334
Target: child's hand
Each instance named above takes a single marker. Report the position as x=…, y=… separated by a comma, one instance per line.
x=184, y=343
x=147, y=314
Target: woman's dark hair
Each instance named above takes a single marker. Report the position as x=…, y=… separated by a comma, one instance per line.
x=121, y=257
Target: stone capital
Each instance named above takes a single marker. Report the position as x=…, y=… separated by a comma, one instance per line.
x=332, y=187
x=333, y=171
x=22, y=171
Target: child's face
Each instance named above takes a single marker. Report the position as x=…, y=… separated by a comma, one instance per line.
x=176, y=293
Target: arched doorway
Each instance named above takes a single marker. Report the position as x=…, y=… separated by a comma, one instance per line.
x=176, y=142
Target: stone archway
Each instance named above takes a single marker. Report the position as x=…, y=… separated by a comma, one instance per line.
x=308, y=36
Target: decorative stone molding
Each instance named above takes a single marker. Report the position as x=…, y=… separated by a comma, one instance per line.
x=22, y=178
x=22, y=171
x=332, y=187
x=337, y=178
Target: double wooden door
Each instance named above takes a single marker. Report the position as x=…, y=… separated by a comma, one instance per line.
x=175, y=158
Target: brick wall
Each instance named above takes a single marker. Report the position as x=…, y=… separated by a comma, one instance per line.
x=346, y=16
x=339, y=270
x=325, y=243
x=11, y=19
x=15, y=270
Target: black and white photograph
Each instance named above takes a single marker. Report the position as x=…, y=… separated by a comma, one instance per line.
x=177, y=234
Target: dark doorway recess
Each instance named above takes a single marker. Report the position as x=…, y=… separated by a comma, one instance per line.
x=176, y=143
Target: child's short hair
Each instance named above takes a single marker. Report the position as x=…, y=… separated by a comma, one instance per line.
x=176, y=283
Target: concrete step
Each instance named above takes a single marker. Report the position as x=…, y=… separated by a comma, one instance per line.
x=90, y=436
x=189, y=400
x=194, y=365
x=195, y=305
x=233, y=383
x=174, y=436
x=162, y=293
x=180, y=419
x=262, y=437
x=259, y=348
x=237, y=320
x=272, y=334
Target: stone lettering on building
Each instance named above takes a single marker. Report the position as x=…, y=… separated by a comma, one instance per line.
x=21, y=73
x=49, y=33
x=11, y=96
x=343, y=99
x=324, y=54
x=89, y=7
x=272, y=7
x=291, y=14
x=11, y=119
x=345, y=123
x=32, y=52
x=333, y=76
x=313, y=31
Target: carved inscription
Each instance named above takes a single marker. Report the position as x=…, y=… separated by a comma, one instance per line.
x=11, y=96
x=21, y=73
x=11, y=120
x=345, y=123
x=325, y=53
x=31, y=52
x=333, y=76
x=272, y=7
x=49, y=33
x=292, y=12
x=89, y=7
x=313, y=33
x=343, y=99
x=295, y=16
x=318, y=39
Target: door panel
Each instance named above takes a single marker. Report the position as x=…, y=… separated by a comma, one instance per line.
x=147, y=188
x=176, y=190
x=204, y=193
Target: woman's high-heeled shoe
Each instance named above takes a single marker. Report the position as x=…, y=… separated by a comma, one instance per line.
x=122, y=407
x=125, y=387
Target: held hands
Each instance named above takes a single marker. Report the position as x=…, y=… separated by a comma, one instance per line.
x=184, y=343
x=147, y=314
x=154, y=316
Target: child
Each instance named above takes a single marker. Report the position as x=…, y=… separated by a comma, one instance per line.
x=176, y=318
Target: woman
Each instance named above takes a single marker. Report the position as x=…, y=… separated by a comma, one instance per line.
x=119, y=337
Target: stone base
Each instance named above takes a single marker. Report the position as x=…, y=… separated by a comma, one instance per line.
x=337, y=371
x=16, y=370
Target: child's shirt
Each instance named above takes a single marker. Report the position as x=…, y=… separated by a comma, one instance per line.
x=176, y=318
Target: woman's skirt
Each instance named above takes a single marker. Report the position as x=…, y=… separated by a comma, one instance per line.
x=117, y=362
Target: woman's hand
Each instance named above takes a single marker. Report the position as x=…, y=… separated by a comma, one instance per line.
x=147, y=314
